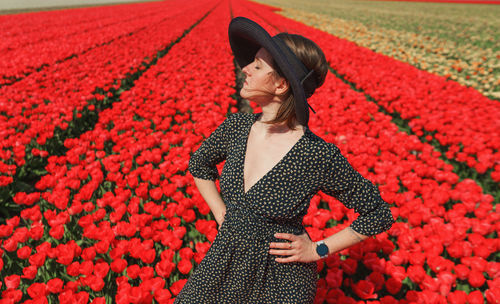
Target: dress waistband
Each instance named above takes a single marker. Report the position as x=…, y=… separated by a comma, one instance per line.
x=246, y=222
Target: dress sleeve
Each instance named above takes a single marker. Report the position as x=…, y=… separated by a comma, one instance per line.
x=212, y=151
x=347, y=185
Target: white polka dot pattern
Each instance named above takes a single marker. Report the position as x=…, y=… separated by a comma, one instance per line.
x=238, y=267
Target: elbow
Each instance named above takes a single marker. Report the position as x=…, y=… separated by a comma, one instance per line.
x=387, y=218
x=374, y=222
x=200, y=170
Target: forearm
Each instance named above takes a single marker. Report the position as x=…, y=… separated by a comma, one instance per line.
x=343, y=239
x=211, y=195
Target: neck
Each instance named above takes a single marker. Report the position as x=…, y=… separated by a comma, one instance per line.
x=279, y=128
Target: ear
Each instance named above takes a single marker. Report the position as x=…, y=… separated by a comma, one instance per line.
x=282, y=86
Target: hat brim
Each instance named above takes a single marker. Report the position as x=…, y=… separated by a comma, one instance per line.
x=246, y=38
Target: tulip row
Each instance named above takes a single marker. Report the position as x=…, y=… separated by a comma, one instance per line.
x=19, y=31
x=435, y=108
x=464, y=25
x=40, y=111
x=21, y=59
x=465, y=63
x=17, y=25
x=119, y=188
x=444, y=241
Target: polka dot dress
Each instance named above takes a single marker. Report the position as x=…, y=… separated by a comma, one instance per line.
x=238, y=267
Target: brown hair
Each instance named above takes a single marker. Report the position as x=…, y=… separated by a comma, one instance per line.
x=313, y=58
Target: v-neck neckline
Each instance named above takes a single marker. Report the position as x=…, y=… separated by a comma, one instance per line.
x=255, y=116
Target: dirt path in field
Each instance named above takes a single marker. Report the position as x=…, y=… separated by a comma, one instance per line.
x=27, y=6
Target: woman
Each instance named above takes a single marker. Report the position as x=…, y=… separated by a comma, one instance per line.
x=274, y=166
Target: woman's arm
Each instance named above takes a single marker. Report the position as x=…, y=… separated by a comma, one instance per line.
x=343, y=182
x=343, y=239
x=203, y=167
x=211, y=195
x=302, y=249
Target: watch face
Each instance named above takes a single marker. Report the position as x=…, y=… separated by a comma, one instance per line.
x=322, y=249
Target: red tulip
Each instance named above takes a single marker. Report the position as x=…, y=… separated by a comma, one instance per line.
x=65, y=254
x=136, y=294
x=349, y=266
x=12, y=281
x=133, y=271
x=416, y=273
x=457, y=297
x=81, y=297
x=184, y=253
x=184, y=266
x=388, y=300
x=57, y=232
x=162, y=295
x=393, y=285
x=156, y=193
x=37, y=290
x=29, y=272
x=399, y=257
x=24, y=252
x=88, y=254
x=118, y=265
x=493, y=271
x=101, y=269
x=94, y=282
x=102, y=246
x=36, y=232
x=6, y=230
x=334, y=278
x=475, y=297
x=177, y=286
x=164, y=268
x=493, y=295
x=73, y=269
x=10, y=244
x=12, y=295
x=99, y=300
x=377, y=279
x=148, y=256
x=364, y=289
x=476, y=278
x=55, y=285
x=189, y=216
x=416, y=258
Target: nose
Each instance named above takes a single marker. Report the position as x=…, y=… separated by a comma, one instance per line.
x=245, y=69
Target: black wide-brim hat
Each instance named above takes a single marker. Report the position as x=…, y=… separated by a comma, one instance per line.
x=246, y=38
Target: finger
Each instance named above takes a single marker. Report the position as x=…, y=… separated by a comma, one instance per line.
x=284, y=245
x=286, y=260
x=282, y=251
x=286, y=236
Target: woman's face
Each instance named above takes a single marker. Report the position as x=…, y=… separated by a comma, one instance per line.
x=260, y=84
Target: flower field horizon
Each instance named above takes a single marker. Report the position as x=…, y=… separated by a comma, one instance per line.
x=101, y=108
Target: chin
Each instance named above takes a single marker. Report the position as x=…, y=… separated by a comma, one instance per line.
x=244, y=94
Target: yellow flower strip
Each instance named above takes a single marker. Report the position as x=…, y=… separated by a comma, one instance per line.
x=464, y=63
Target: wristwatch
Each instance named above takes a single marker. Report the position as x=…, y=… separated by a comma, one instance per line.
x=322, y=249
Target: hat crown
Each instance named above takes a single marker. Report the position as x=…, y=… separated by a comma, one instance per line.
x=306, y=76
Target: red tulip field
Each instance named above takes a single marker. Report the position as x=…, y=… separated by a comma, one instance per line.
x=101, y=108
